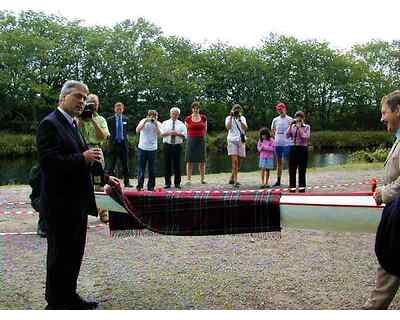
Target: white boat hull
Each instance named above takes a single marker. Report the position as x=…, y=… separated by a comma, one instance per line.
x=346, y=212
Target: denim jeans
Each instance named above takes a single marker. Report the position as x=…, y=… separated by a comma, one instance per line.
x=146, y=157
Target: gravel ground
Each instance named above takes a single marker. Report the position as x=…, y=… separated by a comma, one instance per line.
x=306, y=269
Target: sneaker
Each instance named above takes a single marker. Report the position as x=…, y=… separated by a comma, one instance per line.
x=167, y=186
x=203, y=182
x=139, y=188
x=231, y=182
x=277, y=184
x=178, y=187
x=236, y=185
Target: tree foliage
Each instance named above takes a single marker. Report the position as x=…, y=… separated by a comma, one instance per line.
x=134, y=62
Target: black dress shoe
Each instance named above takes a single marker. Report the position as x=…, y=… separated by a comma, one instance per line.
x=167, y=186
x=41, y=233
x=178, y=187
x=80, y=304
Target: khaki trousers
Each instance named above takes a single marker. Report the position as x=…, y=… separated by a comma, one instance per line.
x=384, y=292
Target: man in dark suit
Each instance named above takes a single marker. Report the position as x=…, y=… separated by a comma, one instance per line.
x=118, y=127
x=66, y=196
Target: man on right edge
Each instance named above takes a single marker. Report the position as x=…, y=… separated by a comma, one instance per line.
x=387, y=244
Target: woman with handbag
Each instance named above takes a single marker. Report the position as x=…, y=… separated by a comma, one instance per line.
x=236, y=125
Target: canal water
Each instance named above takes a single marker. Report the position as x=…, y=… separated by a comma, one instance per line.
x=16, y=171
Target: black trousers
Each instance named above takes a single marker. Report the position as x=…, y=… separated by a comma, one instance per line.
x=42, y=225
x=66, y=240
x=172, y=162
x=119, y=151
x=298, y=158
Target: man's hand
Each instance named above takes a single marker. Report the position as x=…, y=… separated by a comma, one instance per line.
x=94, y=154
x=378, y=197
x=113, y=181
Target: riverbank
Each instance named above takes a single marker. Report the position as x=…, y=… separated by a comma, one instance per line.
x=306, y=269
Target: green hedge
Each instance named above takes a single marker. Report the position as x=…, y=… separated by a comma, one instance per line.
x=320, y=140
x=377, y=155
x=14, y=145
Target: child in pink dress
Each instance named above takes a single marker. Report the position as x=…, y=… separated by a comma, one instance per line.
x=266, y=148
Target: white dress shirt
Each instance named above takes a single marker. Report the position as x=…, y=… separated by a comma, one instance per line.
x=179, y=127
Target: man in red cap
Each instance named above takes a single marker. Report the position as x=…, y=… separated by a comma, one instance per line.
x=279, y=126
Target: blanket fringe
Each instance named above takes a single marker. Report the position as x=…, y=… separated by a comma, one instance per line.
x=144, y=233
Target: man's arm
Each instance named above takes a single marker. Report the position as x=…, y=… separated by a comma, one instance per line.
x=140, y=125
x=49, y=150
x=51, y=155
x=101, y=133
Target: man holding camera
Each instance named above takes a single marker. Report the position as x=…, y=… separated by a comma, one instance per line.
x=279, y=127
x=93, y=126
x=94, y=130
x=237, y=126
x=149, y=129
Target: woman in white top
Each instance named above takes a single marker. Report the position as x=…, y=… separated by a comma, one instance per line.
x=237, y=126
x=149, y=129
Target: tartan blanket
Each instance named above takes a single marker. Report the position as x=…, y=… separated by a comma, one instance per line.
x=194, y=213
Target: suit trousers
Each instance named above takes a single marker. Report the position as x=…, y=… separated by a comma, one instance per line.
x=119, y=151
x=66, y=238
x=384, y=292
x=42, y=225
x=172, y=163
x=298, y=158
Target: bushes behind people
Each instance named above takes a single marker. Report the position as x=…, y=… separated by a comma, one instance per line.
x=377, y=155
x=15, y=145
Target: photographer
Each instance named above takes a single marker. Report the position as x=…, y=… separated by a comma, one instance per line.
x=92, y=125
x=298, y=154
x=149, y=129
x=237, y=126
x=94, y=130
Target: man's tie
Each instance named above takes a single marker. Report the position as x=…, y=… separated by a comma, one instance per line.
x=173, y=138
x=77, y=133
x=120, y=136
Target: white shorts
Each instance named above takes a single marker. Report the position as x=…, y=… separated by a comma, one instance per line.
x=236, y=148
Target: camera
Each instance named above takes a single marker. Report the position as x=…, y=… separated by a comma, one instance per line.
x=88, y=110
x=236, y=113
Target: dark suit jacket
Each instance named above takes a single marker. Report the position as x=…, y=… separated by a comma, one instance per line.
x=66, y=185
x=113, y=128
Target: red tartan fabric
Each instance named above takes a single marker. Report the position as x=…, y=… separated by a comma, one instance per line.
x=195, y=213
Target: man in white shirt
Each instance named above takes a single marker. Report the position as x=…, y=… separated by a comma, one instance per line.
x=173, y=132
x=149, y=129
x=279, y=127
